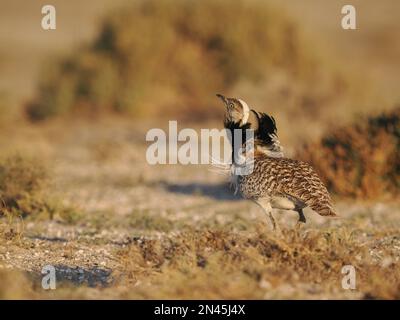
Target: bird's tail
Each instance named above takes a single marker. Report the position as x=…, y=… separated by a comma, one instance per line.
x=328, y=211
x=266, y=135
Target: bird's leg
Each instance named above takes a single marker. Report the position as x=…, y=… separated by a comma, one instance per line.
x=266, y=206
x=302, y=218
x=275, y=227
x=272, y=220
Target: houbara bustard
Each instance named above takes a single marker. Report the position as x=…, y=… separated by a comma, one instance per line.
x=275, y=182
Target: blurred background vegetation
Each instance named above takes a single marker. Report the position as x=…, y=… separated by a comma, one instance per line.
x=113, y=56
x=169, y=57
x=153, y=60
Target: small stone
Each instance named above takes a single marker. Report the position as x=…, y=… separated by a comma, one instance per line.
x=386, y=262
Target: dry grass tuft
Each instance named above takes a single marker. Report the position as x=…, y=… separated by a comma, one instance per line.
x=23, y=184
x=360, y=160
x=221, y=264
x=25, y=192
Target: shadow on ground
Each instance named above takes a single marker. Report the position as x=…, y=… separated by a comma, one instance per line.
x=221, y=191
x=91, y=277
x=44, y=238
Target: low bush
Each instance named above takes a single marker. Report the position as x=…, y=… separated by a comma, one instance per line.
x=23, y=185
x=361, y=160
x=156, y=57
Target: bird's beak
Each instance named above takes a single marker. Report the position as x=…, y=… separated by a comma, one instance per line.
x=221, y=97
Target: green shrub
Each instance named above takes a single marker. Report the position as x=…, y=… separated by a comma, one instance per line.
x=162, y=56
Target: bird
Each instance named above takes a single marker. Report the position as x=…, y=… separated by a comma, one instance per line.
x=264, y=126
x=275, y=181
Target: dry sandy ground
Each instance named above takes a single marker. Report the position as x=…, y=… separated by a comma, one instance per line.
x=122, y=203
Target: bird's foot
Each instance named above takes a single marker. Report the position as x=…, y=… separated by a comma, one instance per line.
x=277, y=231
x=299, y=225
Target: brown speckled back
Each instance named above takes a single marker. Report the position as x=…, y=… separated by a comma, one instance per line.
x=286, y=177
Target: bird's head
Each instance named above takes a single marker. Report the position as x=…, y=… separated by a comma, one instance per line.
x=237, y=110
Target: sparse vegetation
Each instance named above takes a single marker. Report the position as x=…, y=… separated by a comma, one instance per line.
x=25, y=193
x=360, y=160
x=144, y=220
x=145, y=240
x=219, y=263
x=191, y=265
x=22, y=186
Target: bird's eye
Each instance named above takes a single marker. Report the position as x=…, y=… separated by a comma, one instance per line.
x=231, y=105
